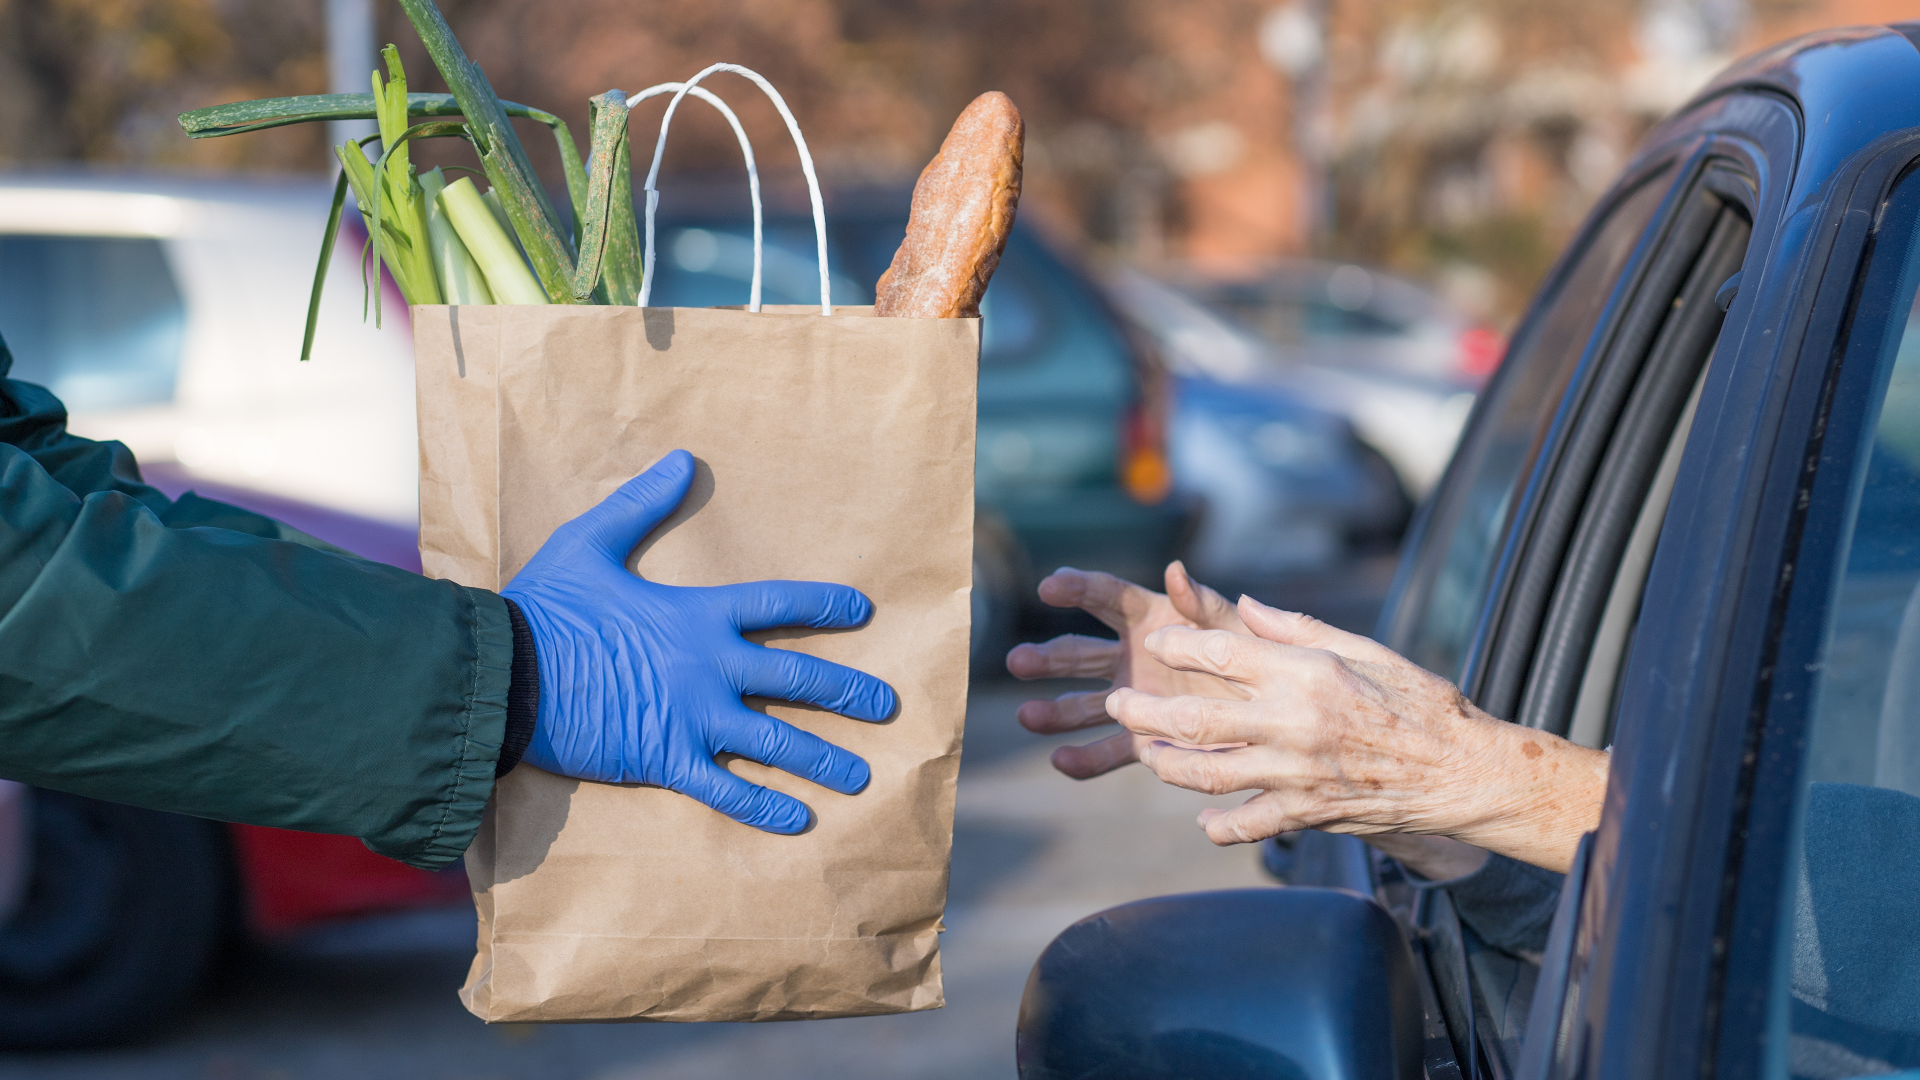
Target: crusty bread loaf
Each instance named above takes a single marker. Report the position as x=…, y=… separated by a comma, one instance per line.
x=963, y=209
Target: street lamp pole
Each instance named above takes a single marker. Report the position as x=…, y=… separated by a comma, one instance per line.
x=1293, y=40
x=352, y=53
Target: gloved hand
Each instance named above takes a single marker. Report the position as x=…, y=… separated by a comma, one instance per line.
x=641, y=682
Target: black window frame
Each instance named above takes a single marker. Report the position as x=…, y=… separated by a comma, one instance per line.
x=1757, y=133
x=1541, y=628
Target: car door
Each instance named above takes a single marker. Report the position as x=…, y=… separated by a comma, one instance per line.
x=1748, y=716
x=1526, y=581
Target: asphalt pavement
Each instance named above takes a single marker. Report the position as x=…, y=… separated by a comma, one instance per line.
x=1033, y=851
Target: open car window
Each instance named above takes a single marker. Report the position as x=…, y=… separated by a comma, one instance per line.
x=1593, y=533
x=1442, y=600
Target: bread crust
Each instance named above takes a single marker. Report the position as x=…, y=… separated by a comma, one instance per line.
x=963, y=207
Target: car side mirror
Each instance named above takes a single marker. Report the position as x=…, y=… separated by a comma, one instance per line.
x=1287, y=983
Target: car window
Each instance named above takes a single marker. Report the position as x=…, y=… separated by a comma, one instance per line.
x=98, y=320
x=1436, y=615
x=1547, y=643
x=1012, y=321
x=1850, y=993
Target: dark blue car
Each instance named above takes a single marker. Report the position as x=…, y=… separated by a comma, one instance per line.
x=1683, y=524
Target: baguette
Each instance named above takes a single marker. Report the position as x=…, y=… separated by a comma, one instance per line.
x=963, y=206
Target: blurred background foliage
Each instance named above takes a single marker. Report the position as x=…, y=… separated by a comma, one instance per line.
x=1458, y=141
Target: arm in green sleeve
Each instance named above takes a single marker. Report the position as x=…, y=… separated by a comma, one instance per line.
x=207, y=671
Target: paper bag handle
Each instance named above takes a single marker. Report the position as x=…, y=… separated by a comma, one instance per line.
x=746, y=151
x=806, y=166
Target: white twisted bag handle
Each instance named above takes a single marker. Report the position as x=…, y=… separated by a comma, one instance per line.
x=746, y=151
x=806, y=166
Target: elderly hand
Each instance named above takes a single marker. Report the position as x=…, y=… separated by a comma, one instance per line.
x=1341, y=734
x=1133, y=613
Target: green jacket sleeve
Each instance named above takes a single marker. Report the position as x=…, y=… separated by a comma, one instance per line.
x=190, y=656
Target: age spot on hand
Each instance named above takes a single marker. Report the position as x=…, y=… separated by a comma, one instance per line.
x=1532, y=750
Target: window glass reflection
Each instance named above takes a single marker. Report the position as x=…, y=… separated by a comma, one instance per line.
x=96, y=319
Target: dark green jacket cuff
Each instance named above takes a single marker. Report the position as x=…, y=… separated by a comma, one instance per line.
x=442, y=827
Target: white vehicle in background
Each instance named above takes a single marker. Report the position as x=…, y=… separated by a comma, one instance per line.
x=166, y=313
x=1397, y=362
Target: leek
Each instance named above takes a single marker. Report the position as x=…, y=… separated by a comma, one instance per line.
x=507, y=275
x=509, y=170
x=461, y=280
x=400, y=194
x=492, y=199
x=387, y=237
x=448, y=241
x=596, y=213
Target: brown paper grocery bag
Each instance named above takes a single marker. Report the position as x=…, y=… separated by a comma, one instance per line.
x=830, y=448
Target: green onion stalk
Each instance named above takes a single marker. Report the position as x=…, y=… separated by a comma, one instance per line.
x=447, y=241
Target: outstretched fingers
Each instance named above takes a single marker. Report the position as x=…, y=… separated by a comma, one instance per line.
x=1251, y=822
x=1235, y=657
x=1214, y=772
x=1307, y=632
x=1196, y=721
x=1098, y=758
x=775, y=742
x=1070, y=656
x=1105, y=597
x=787, y=675
x=636, y=507
x=1200, y=605
x=1068, y=712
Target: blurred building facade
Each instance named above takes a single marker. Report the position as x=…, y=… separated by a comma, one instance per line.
x=1458, y=140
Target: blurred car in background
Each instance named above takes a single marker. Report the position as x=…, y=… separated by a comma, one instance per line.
x=1396, y=361
x=167, y=314
x=1286, y=487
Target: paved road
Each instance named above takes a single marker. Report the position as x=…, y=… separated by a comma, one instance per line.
x=1032, y=852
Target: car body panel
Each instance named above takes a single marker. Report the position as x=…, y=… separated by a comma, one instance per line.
x=244, y=411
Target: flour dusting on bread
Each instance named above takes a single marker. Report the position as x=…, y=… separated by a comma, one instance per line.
x=963, y=207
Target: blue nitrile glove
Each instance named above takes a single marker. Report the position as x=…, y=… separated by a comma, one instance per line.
x=641, y=682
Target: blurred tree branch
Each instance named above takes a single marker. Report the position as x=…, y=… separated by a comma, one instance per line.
x=100, y=80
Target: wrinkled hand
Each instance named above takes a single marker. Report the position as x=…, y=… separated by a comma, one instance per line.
x=1341, y=734
x=1134, y=613
x=642, y=682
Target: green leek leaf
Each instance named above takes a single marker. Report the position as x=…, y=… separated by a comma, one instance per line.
x=609, y=134
x=326, y=259
x=509, y=170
